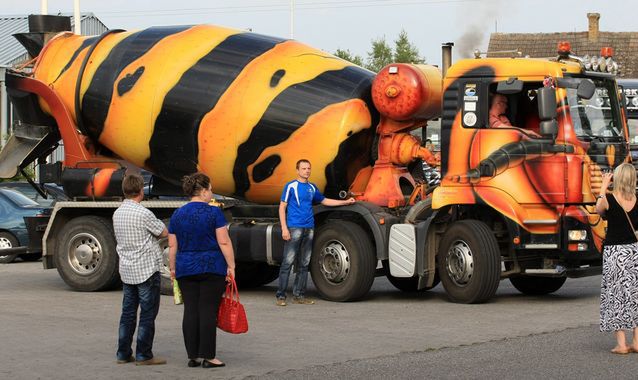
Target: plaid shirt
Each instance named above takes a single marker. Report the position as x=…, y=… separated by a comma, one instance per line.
x=136, y=230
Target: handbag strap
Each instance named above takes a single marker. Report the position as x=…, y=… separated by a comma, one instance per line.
x=231, y=290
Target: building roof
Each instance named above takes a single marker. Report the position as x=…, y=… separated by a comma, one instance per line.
x=12, y=52
x=544, y=45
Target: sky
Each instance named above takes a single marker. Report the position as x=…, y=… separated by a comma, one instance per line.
x=353, y=24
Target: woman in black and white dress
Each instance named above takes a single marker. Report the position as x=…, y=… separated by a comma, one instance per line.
x=619, y=287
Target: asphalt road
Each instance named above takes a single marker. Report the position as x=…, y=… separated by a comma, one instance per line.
x=49, y=331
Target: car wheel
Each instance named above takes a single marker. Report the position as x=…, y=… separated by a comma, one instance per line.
x=7, y=241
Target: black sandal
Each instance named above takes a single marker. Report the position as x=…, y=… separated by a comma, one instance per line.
x=208, y=364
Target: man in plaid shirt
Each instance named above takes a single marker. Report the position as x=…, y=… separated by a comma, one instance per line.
x=136, y=232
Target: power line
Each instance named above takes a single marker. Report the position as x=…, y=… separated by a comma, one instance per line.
x=300, y=6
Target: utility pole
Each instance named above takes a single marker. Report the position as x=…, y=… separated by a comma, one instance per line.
x=292, y=19
x=44, y=7
x=77, y=23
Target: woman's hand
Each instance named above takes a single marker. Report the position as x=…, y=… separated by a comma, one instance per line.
x=607, y=177
x=230, y=274
x=172, y=275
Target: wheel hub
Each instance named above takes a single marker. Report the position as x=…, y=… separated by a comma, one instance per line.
x=5, y=243
x=334, y=262
x=85, y=253
x=459, y=263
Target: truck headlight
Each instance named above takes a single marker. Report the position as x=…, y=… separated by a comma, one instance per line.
x=577, y=235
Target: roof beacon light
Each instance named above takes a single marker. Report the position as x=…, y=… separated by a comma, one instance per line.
x=564, y=48
x=607, y=52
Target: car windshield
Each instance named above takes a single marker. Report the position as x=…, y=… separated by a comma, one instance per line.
x=18, y=198
x=598, y=116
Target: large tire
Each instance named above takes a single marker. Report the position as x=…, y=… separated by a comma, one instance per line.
x=85, y=254
x=7, y=241
x=407, y=284
x=254, y=274
x=537, y=286
x=343, y=262
x=469, y=262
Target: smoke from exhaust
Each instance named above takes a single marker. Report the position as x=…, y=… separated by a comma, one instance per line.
x=477, y=29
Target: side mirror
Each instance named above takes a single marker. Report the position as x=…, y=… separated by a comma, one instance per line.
x=509, y=87
x=586, y=89
x=546, y=103
x=547, y=111
x=548, y=128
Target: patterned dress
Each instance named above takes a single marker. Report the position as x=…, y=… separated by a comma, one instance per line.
x=619, y=285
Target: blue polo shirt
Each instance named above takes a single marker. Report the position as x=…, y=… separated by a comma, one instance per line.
x=300, y=196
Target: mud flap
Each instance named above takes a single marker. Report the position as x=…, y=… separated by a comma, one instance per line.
x=402, y=250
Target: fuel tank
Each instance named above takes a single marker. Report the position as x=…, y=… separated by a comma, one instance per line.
x=238, y=106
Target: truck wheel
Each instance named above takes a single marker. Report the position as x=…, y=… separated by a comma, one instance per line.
x=255, y=274
x=537, y=286
x=7, y=241
x=407, y=284
x=469, y=262
x=85, y=254
x=343, y=262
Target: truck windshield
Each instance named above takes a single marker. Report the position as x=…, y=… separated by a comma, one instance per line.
x=598, y=116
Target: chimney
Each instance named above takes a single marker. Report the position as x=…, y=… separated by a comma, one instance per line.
x=593, y=26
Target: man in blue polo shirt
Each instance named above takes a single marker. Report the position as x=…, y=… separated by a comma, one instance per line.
x=297, y=229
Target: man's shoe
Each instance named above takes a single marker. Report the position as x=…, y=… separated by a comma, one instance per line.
x=152, y=361
x=130, y=359
x=303, y=301
x=281, y=302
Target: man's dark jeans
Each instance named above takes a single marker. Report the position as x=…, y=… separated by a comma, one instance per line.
x=297, y=250
x=147, y=296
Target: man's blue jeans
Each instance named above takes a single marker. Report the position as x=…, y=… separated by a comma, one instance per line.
x=147, y=296
x=297, y=250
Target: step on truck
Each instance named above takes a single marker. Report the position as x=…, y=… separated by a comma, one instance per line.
x=514, y=202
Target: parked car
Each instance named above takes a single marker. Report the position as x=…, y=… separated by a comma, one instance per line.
x=14, y=207
x=54, y=193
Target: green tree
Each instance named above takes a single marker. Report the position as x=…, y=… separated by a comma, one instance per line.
x=348, y=56
x=405, y=51
x=380, y=55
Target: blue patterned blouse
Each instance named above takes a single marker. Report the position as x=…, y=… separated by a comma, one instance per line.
x=198, y=252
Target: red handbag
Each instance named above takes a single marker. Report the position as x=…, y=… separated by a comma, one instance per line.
x=232, y=316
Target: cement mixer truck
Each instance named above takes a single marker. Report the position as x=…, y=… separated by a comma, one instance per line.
x=515, y=202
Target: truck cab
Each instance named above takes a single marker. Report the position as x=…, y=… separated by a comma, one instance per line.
x=525, y=190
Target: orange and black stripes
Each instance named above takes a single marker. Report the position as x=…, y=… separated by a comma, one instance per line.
x=174, y=144
x=235, y=105
x=299, y=103
x=97, y=99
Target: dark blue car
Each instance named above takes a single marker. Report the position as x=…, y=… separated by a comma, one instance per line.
x=14, y=207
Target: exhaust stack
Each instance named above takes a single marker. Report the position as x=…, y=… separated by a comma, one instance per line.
x=41, y=29
x=446, y=62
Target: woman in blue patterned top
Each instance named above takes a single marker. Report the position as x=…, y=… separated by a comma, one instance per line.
x=201, y=258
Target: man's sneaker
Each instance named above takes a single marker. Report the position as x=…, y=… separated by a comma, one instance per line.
x=152, y=361
x=281, y=302
x=303, y=301
x=130, y=359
